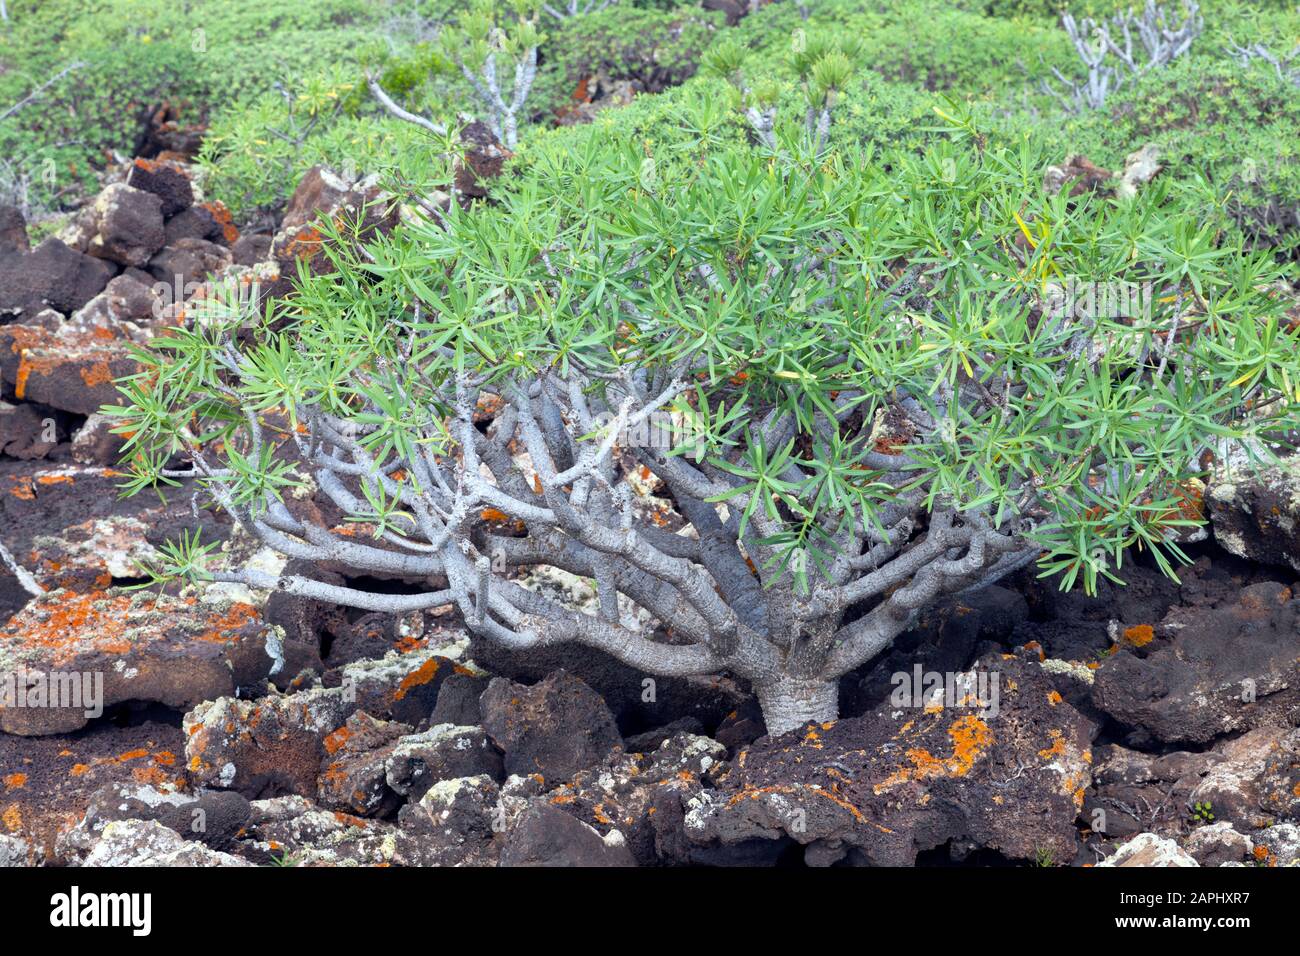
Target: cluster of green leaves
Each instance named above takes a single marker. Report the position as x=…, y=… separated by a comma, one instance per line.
x=1103, y=447
x=488, y=28
x=924, y=43
x=253, y=156
x=655, y=48
x=139, y=54
x=1210, y=117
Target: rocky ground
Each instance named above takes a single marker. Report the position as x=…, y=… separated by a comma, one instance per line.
x=1156, y=724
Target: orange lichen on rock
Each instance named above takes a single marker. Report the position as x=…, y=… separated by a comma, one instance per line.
x=971, y=739
x=335, y=741
x=153, y=776
x=1139, y=635
x=67, y=625
x=15, y=781
x=221, y=214
x=418, y=677
x=98, y=373
x=1057, y=748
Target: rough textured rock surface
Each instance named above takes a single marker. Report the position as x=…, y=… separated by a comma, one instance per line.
x=67, y=369
x=279, y=744
x=1148, y=849
x=13, y=229
x=172, y=651
x=25, y=433
x=47, y=783
x=51, y=276
x=352, y=776
x=1259, y=518
x=128, y=225
x=291, y=831
x=262, y=748
x=1218, y=844
x=545, y=835
x=555, y=728
x=642, y=795
x=170, y=182
x=125, y=309
x=1209, y=673
x=882, y=788
x=325, y=199
x=443, y=752
x=133, y=843
x=1134, y=792
x=637, y=701
x=214, y=818
x=15, y=851
x=453, y=824
x=1256, y=783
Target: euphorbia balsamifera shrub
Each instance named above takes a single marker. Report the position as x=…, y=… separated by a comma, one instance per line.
x=856, y=383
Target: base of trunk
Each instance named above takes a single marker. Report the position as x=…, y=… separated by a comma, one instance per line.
x=788, y=704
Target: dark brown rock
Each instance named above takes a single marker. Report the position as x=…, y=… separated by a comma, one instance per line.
x=453, y=823
x=547, y=836
x=68, y=369
x=13, y=230
x=1209, y=672
x=50, y=276
x=443, y=752
x=25, y=433
x=554, y=728
x=880, y=789
x=1258, y=517
x=170, y=182
x=117, y=647
x=128, y=225
x=352, y=775
x=188, y=261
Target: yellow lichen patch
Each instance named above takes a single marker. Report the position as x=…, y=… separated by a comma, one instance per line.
x=1053, y=697
x=13, y=818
